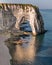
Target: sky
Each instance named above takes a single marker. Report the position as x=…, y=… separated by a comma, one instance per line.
x=42, y=4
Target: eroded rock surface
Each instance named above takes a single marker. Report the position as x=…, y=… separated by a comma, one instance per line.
x=15, y=14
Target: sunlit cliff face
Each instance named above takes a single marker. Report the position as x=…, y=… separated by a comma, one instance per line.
x=26, y=12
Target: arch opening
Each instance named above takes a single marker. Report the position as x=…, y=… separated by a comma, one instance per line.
x=25, y=26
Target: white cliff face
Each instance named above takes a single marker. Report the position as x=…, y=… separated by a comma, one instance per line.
x=1, y=20
x=29, y=13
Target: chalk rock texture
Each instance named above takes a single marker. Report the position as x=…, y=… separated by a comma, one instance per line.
x=15, y=14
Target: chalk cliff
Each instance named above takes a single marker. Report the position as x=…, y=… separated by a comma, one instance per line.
x=14, y=14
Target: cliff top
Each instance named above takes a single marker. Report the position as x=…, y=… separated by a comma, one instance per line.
x=17, y=4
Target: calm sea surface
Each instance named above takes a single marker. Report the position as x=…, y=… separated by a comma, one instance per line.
x=28, y=49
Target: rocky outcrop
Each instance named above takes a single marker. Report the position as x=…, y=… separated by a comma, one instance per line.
x=15, y=14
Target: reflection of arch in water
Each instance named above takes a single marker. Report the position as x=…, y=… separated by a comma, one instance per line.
x=25, y=53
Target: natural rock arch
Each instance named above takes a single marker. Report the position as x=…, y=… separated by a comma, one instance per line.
x=29, y=12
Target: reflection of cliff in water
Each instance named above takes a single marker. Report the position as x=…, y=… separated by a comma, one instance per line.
x=24, y=53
